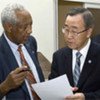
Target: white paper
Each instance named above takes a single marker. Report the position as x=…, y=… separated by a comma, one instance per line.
x=55, y=89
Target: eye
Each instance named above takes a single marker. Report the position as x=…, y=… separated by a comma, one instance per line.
x=73, y=31
x=66, y=30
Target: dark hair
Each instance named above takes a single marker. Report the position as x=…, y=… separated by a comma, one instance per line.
x=87, y=16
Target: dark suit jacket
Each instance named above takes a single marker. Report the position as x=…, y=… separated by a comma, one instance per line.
x=89, y=81
x=96, y=38
x=9, y=63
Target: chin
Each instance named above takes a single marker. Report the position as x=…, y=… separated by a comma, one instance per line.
x=22, y=42
x=72, y=47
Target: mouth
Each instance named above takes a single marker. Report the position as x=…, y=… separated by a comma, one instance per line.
x=69, y=42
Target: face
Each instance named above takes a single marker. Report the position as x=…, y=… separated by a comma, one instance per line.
x=20, y=32
x=75, y=24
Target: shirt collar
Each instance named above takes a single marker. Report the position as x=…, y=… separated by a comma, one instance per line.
x=85, y=49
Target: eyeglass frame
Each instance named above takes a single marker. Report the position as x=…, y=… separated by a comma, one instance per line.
x=74, y=33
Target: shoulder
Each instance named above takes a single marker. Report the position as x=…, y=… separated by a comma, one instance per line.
x=3, y=44
x=94, y=48
x=32, y=43
x=95, y=45
x=63, y=51
x=2, y=39
x=96, y=38
x=31, y=39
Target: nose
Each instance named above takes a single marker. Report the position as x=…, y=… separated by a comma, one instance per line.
x=70, y=35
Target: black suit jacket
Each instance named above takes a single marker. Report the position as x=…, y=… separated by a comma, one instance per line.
x=96, y=38
x=9, y=63
x=89, y=81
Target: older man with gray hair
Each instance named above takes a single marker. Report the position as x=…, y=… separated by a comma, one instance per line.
x=17, y=66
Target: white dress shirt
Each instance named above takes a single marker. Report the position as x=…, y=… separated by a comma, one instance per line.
x=14, y=48
x=83, y=51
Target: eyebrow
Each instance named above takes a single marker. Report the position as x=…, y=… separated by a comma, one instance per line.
x=73, y=27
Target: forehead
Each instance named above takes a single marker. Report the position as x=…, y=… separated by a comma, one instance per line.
x=74, y=21
x=23, y=16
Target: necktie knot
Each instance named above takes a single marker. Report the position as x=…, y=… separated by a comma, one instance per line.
x=78, y=55
x=19, y=48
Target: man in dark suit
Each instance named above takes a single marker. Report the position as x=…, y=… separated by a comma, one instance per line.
x=83, y=72
x=17, y=23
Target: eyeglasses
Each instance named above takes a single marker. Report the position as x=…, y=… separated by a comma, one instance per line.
x=65, y=30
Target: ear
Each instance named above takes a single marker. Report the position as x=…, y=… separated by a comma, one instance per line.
x=89, y=32
x=8, y=27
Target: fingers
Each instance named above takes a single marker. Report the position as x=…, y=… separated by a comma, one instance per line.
x=18, y=74
x=76, y=96
x=16, y=77
x=18, y=70
x=74, y=89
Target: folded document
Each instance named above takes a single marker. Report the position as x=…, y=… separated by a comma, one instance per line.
x=55, y=89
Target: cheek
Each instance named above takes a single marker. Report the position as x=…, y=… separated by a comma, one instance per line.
x=76, y=43
x=19, y=37
x=81, y=41
x=22, y=38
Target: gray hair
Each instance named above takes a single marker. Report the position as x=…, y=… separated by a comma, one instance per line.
x=87, y=16
x=9, y=13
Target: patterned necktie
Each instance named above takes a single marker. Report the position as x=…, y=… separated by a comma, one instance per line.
x=30, y=76
x=76, y=73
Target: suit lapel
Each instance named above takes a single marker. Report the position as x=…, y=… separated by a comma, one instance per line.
x=8, y=54
x=89, y=66
x=68, y=65
x=32, y=54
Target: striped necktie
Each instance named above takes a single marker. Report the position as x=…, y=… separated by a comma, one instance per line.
x=30, y=76
x=76, y=73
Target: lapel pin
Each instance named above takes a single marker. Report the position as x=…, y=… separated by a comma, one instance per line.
x=89, y=61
